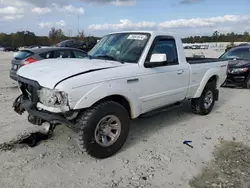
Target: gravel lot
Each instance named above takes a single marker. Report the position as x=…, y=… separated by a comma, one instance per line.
x=154, y=155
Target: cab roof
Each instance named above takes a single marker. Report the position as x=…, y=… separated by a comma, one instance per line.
x=153, y=33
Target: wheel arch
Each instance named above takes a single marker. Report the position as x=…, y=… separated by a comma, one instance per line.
x=210, y=77
x=130, y=103
x=113, y=91
x=122, y=100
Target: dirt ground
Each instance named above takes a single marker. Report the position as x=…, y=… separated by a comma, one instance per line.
x=229, y=168
x=154, y=155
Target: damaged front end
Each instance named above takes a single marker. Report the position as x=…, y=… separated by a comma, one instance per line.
x=44, y=106
x=18, y=108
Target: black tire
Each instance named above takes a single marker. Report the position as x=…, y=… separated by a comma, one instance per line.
x=247, y=84
x=198, y=104
x=88, y=121
x=224, y=84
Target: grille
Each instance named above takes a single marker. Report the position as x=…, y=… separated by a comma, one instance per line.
x=29, y=92
x=29, y=89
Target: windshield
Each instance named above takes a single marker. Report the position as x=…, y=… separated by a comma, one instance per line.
x=237, y=53
x=123, y=47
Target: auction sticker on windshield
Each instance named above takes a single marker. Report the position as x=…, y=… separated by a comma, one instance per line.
x=137, y=37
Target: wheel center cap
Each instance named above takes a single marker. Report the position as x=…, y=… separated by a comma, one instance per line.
x=106, y=130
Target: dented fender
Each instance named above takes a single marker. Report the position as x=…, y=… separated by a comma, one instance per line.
x=96, y=92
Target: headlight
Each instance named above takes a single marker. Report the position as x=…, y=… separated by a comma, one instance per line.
x=239, y=70
x=51, y=97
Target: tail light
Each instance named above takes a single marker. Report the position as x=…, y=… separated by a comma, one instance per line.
x=29, y=61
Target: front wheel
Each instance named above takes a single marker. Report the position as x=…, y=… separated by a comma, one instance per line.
x=205, y=103
x=247, y=84
x=104, y=129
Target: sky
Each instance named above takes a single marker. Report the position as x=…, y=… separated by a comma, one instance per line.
x=99, y=17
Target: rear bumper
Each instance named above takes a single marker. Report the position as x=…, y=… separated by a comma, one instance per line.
x=37, y=117
x=13, y=74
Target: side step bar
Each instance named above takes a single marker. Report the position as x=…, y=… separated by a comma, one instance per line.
x=160, y=110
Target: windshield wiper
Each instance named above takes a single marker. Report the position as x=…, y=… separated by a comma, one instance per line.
x=109, y=58
x=106, y=57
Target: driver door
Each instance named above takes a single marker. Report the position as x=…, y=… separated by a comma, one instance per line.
x=168, y=83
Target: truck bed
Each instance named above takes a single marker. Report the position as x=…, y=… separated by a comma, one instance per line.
x=199, y=60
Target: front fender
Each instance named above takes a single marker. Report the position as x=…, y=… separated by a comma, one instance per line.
x=209, y=74
x=106, y=89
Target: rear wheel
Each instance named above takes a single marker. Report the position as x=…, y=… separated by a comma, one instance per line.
x=205, y=103
x=104, y=129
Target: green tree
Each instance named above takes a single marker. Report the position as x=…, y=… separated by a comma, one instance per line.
x=246, y=36
x=56, y=35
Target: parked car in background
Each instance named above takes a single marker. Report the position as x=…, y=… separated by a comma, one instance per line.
x=127, y=75
x=244, y=44
x=187, y=47
x=199, y=56
x=230, y=46
x=27, y=56
x=204, y=46
x=72, y=43
x=10, y=49
x=239, y=66
x=195, y=47
x=32, y=46
x=22, y=48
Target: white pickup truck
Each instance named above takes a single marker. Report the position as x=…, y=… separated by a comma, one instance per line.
x=126, y=75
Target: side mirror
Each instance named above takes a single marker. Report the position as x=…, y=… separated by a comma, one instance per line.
x=156, y=60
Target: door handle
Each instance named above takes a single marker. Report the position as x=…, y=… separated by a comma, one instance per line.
x=180, y=71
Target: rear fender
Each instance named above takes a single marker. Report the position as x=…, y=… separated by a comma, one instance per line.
x=209, y=74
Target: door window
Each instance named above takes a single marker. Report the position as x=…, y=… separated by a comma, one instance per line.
x=46, y=55
x=62, y=54
x=79, y=54
x=165, y=46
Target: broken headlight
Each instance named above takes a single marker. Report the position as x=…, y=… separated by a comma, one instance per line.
x=51, y=97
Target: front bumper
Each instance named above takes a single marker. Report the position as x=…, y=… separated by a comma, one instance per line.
x=237, y=79
x=38, y=117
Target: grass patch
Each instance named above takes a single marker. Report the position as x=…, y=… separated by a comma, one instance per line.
x=230, y=167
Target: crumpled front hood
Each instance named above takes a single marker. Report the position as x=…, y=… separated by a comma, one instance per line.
x=51, y=71
x=238, y=63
